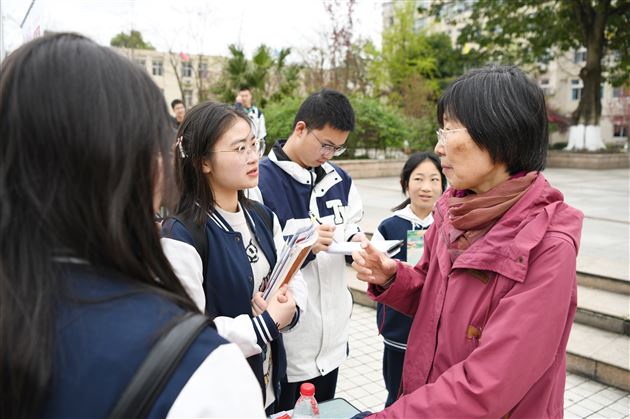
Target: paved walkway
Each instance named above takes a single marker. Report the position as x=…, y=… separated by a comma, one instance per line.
x=361, y=379
x=602, y=195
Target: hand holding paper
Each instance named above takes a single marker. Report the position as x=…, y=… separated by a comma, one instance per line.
x=325, y=238
x=389, y=247
x=291, y=258
x=372, y=265
x=281, y=307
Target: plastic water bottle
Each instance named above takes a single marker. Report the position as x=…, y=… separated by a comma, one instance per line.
x=306, y=405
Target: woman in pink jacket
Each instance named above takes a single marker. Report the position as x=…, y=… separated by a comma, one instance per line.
x=494, y=295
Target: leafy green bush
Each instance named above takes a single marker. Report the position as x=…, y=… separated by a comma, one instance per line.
x=378, y=126
x=558, y=146
x=279, y=119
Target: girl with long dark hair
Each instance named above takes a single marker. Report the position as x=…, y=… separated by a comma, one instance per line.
x=85, y=289
x=235, y=240
x=422, y=180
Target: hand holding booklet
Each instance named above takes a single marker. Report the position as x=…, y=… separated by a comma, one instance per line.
x=389, y=247
x=290, y=260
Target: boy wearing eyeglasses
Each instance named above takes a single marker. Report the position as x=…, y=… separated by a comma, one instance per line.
x=300, y=184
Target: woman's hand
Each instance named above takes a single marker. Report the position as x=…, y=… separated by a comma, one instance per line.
x=371, y=265
x=258, y=304
x=281, y=307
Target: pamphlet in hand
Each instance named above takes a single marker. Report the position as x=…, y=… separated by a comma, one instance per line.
x=297, y=247
x=389, y=247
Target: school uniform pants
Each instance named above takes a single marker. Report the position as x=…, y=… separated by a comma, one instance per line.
x=325, y=386
x=392, y=372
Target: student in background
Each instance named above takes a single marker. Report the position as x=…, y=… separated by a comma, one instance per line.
x=179, y=109
x=216, y=157
x=244, y=103
x=299, y=183
x=423, y=182
x=85, y=289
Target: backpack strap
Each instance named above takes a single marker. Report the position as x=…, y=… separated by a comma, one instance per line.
x=260, y=210
x=157, y=368
x=199, y=237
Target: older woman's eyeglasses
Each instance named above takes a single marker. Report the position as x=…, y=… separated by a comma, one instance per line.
x=243, y=149
x=442, y=134
x=329, y=149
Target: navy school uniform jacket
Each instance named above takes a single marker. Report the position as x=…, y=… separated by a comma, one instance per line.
x=106, y=326
x=228, y=282
x=393, y=325
x=319, y=344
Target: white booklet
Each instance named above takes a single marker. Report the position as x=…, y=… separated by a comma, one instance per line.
x=297, y=247
x=389, y=247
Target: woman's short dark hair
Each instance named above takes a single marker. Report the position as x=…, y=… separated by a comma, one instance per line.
x=82, y=133
x=326, y=107
x=410, y=165
x=504, y=112
x=203, y=126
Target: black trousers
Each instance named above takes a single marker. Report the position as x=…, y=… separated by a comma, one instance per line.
x=392, y=373
x=325, y=386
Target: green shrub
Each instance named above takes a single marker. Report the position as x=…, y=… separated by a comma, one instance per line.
x=558, y=146
x=279, y=119
x=378, y=126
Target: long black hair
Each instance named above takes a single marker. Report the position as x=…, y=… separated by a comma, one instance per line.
x=410, y=165
x=82, y=133
x=202, y=127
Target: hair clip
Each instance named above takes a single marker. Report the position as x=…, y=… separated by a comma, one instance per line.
x=180, y=146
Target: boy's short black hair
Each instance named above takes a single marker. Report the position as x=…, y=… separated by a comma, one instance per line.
x=176, y=102
x=504, y=112
x=243, y=88
x=326, y=107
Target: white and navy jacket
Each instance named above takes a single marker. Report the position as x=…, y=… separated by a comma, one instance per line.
x=105, y=326
x=393, y=325
x=228, y=284
x=258, y=120
x=318, y=344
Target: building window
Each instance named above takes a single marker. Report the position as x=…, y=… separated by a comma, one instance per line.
x=188, y=98
x=620, y=131
x=579, y=56
x=576, y=89
x=187, y=70
x=158, y=68
x=140, y=61
x=617, y=92
x=203, y=70
x=544, y=85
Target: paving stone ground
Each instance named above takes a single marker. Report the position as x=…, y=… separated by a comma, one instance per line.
x=361, y=380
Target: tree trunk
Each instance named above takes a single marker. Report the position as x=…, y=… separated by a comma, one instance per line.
x=174, y=63
x=585, y=132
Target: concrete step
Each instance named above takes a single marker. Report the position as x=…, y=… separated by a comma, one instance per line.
x=599, y=345
x=616, y=285
x=604, y=310
x=598, y=308
x=601, y=355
